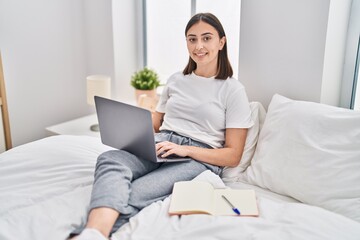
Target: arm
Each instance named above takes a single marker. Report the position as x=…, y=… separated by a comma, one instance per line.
x=229, y=155
x=157, y=119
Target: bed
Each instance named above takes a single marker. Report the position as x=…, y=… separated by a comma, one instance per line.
x=301, y=158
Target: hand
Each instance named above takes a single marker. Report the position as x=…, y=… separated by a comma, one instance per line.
x=164, y=149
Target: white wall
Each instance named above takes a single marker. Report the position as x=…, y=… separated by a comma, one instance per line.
x=98, y=36
x=127, y=27
x=48, y=48
x=284, y=49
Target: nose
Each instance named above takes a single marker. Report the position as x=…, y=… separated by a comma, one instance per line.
x=199, y=45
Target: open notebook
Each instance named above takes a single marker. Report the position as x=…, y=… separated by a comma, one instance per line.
x=197, y=197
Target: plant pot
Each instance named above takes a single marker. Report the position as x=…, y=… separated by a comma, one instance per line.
x=149, y=93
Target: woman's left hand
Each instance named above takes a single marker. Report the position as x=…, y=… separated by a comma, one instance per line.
x=229, y=155
x=164, y=149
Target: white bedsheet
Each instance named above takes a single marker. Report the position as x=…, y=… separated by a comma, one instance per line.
x=261, y=192
x=45, y=189
x=280, y=218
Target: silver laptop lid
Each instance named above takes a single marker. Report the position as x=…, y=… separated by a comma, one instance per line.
x=126, y=127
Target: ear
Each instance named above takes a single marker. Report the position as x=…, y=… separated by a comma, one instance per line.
x=222, y=42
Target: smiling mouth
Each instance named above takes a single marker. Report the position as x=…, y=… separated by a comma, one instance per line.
x=200, y=54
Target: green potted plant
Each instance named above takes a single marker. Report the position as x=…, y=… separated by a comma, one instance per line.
x=145, y=81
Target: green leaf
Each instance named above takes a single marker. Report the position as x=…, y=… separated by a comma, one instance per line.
x=145, y=79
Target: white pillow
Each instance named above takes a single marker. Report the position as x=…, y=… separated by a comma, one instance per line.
x=311, y=152
x=258, y=113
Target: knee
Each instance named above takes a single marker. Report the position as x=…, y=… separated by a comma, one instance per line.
x=142, y=197
x=105, y=158
x=113, y=159
x=112, y=156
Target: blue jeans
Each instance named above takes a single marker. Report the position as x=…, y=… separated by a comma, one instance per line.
x=127, y=183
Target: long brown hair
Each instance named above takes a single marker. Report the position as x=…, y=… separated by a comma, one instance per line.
x=224, y=69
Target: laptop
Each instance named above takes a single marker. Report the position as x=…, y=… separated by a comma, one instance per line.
x=128, y=128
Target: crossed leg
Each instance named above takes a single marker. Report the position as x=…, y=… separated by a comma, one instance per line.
x=125, y=184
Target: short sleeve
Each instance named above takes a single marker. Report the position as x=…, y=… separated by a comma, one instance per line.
x=238, y=112
x=161, y=105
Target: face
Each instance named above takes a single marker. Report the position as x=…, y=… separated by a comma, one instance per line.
x=204, y=43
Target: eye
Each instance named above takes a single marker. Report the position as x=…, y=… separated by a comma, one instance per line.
x=207, y=38
x=191, y=39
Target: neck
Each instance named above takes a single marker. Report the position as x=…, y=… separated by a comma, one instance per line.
x=205, y=72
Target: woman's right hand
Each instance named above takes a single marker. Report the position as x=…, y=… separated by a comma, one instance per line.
x=165, y=149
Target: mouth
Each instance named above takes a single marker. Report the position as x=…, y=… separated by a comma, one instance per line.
x=200, y=54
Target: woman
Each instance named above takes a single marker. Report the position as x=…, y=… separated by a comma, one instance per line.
x=203, y=114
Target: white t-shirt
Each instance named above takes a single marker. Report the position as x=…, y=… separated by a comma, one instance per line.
x=202, y=108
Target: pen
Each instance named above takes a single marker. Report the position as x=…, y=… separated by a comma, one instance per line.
x=231, y=205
